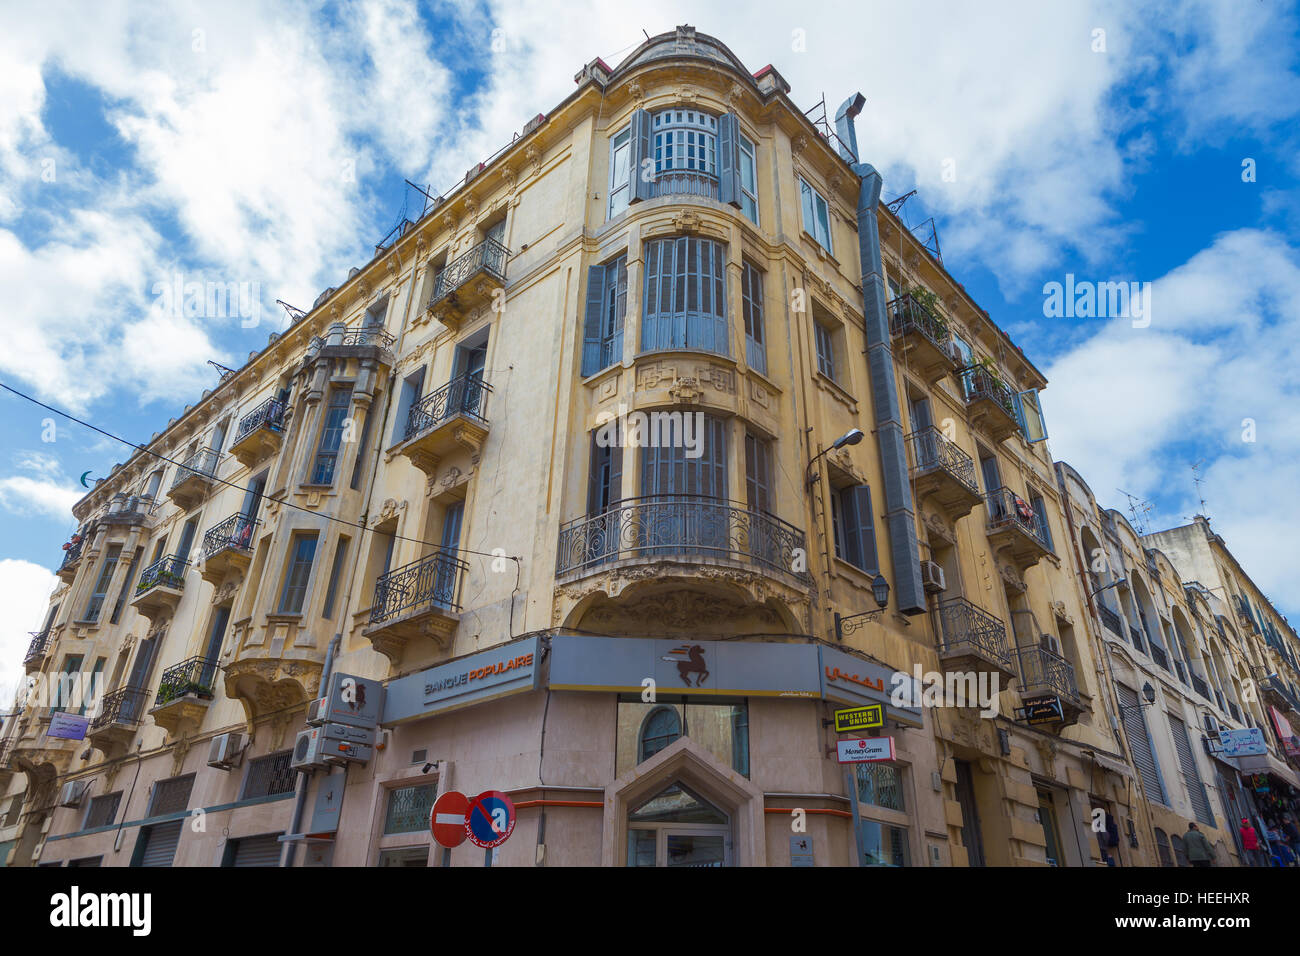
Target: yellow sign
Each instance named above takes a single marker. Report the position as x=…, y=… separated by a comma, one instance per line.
x=859, y=718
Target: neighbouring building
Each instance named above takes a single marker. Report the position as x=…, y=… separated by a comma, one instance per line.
x=649, y=446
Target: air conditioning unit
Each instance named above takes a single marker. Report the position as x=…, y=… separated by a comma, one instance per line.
x=226, y=750
x=308, y=750
x=1211, y=725
x=1050, y=642
x=316, y=711
x=932, y=577
x=72, y=792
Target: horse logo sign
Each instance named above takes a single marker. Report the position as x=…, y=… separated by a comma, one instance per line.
x=689, y=659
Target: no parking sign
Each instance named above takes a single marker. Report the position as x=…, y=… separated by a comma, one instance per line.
x=491, y=819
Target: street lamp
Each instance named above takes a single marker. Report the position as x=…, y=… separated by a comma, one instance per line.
x=850, y=437
x=880, y=591
x=1148, y=695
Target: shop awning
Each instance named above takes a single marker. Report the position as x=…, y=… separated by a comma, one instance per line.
x=1266, y=763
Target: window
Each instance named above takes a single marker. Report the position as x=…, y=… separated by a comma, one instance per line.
x=171, y=796
x=751, y=293
x=644, y=729
x=620, y=165
x=662, y=726
x=302, y=552
x=816, y=215
x=606, y=308
x=678, y=827
x=1191, y=774
x=101, y=584
x=340, y=552
x=67, y=693
x=1030, y=415
x=93, y=687
x=126, y=586
x=758, y=473
x=748, y=181
x=408, y=808
x=103, y=810
x=855, y=536
x=331, y=436
x=1162, y=848
x=1040, y=509
x=15, y=809
x=270, y=775
x=1133, y=717
x=884, y=845
x=825, y=350
x=880, y=785
x=412, y=389
x=685, y=140
x=685, y=303
x=363, y=444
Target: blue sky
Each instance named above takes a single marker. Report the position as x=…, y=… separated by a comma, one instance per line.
x=242, y=143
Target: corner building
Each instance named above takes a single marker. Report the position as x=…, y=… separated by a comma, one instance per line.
x=841, y=474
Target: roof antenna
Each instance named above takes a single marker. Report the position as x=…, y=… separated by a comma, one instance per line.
x=1198, y=481
x=647, y=36
x=1138, y=510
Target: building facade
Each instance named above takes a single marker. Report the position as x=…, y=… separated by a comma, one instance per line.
x=650, y=445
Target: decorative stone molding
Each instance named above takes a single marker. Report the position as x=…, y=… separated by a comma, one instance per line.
x=685, y=390
x=687, y=221
x=1012, y=579
x=635, y=91
x=939, y=528
x=799, y=143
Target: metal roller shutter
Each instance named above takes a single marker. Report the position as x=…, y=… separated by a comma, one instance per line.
x=160, y=845
x=1191, y=775
x=258, y=851
x=1135, y=728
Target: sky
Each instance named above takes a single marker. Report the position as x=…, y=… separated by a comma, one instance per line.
x=268, y=145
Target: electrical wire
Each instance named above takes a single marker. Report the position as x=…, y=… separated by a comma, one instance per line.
x=230, y=484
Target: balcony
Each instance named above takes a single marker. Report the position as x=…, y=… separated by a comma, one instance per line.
x=450, y=420
x=682, y=182
x=228, y=547
x=990, y=402
x=1200, y=686
x=368, y=344
x=1159, y=656
x=71, y=558
x=119, y=718
x=416, y=600
x=259, y=433
x=1138, y=634
x=132, y=512
x=972, y=639
x=1275, y=692
x=1013, y=526
x=160, y=586
x=35, y=655
x=194, y=479
x=1236, y=714
x=1043, y=673
x=468, y=282
x=925, y=339
x=1180, y=671
x=681, y=526
x=184, y=694
x=942, y=472
x=1111, y=620
x=1218, y=699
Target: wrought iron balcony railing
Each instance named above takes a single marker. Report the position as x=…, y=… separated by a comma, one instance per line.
x=235, y=532
x=466, y=395
x=166, y=572
x=1159, y=656
x=202, y=463
x=1200, y=686
x=907, y=314
x=369, y=335
x=1139, y=635
x=125, y=706
x=931, y=450
x=1218, y=699
x=36, y=649
x=488, y=256
x=428, y=583
x=198, y=675
x=1236, y=714
x=1005, y=507
x=963, y=626
x=1180, y=670
x=270, y=414
x=1043, y=671
x=73, y=554
x=682, y=182
x=980, y=383
x=1111, y=620
x=673, y=526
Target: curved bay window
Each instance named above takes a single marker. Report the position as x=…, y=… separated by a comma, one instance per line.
x=685, y=304
x=686, y=152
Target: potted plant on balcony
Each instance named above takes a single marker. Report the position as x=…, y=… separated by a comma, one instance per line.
x=930, y=303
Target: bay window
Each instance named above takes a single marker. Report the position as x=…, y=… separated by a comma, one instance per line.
x=685, y=302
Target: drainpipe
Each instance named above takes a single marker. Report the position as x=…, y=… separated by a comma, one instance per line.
x=899, y=515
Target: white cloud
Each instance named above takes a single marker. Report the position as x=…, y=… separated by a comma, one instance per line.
x=25, y=589
x=43, y=490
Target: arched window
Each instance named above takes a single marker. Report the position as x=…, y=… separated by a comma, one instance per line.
x=661, y=727
x=1162, y=848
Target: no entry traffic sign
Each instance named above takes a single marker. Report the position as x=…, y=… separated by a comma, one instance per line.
x=491, y=819
x=448, y=817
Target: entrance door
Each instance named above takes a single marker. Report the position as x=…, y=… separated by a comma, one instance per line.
x=444, y=588
x=970, y=825
x=678, y=827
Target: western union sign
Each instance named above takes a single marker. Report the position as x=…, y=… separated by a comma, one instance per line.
x=859, y=718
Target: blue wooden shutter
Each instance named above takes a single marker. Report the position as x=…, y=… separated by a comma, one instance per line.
x=863, y=531
x=729, y=159
x=591, y=321
x=641, y=150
